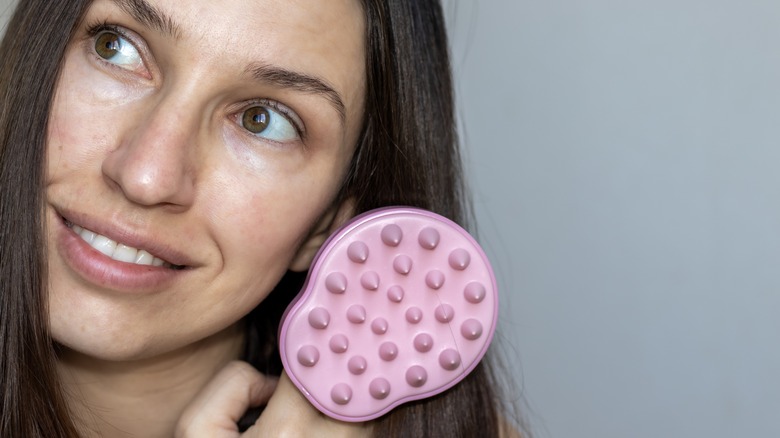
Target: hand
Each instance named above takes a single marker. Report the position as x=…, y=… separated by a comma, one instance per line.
x=217, y=408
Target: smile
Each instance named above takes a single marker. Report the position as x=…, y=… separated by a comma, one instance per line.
x=118, y=251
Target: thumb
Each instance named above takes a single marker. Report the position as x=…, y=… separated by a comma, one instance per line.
x=215, y=411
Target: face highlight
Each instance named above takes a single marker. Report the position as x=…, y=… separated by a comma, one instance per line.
x=193, y=148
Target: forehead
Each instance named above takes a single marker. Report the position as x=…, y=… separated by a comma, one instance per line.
x=315, y=33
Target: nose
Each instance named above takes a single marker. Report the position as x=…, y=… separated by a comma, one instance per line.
x=152, y=163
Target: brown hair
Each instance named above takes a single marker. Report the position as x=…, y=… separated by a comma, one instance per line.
x=407, y=155
x=32, y=404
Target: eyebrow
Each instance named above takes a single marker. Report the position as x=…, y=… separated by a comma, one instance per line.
x=284, y=78
x=150, y=16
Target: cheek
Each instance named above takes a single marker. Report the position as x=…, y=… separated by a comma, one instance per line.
x=69, y=144
x=73, y=147
x=262, y=227
x=261, y=222
x=83, y=122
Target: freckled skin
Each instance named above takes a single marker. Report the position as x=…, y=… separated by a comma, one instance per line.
x=166, y=157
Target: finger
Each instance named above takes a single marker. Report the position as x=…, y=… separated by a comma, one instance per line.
x=288, y=399
x=289, y=413
x=216, y=410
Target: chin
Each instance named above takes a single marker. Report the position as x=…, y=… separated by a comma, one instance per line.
x=107, y=347
x=134, y=342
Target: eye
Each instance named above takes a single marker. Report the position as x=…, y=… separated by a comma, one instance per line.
x=265, y=122
x=117, y=50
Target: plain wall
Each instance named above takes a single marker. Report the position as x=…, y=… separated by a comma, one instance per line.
x=622, y=156
x=5, y=11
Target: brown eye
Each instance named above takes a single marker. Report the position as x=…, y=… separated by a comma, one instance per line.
x=107, y=45
x=269, y=121
x=115, y=49
x=256, y=119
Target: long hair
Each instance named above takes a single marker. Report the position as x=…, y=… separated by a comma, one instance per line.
x=409, y=149
x=407, y=154
x=32, y=404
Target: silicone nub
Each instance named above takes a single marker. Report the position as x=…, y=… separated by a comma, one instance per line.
x=400, y=304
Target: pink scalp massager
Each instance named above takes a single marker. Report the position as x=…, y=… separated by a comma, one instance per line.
x=400, y=304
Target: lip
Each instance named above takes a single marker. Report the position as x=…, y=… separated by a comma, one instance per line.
x=101, y=270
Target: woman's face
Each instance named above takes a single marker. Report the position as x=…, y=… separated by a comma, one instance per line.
x=193, y=148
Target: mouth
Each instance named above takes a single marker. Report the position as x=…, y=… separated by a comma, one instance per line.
x=119, y=251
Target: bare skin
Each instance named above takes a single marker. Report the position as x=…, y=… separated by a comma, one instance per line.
x=153, y=145
x=214, y=412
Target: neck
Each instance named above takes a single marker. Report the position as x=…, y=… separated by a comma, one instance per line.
x=143, y=397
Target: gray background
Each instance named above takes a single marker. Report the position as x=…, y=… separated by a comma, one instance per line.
x=622, y=157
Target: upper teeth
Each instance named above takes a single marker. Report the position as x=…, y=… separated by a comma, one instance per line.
x=117, y=251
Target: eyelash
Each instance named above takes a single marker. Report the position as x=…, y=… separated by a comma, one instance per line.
x=96, y=28
x=283, y=110
x=100, y=28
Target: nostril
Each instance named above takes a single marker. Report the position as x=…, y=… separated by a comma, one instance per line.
x=152, y=164
x=149, y=179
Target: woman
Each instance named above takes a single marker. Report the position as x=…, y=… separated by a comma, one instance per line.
x=219, y=143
